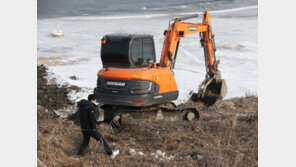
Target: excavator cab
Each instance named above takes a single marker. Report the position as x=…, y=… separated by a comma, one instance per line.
x=127, y=51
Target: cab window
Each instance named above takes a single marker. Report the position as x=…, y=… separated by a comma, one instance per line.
x=148, y=50
x=115, y=54
x=142, y=50
x=137, y=53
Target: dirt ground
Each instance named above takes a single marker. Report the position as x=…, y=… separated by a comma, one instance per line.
x=226, y=135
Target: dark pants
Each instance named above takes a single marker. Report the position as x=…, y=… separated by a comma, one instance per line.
x=95, y=134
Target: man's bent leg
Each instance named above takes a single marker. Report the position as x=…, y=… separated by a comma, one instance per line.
x=99, y=137
x=86, y=138
x=106, y=146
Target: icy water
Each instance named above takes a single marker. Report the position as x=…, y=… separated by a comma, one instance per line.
x=86, y=22
x=62, y=8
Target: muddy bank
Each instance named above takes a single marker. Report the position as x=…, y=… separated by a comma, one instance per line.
x=49, y=94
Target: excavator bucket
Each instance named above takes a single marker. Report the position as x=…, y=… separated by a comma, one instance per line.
x=210, y=91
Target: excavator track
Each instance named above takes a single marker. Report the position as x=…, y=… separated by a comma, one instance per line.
x=115, y=114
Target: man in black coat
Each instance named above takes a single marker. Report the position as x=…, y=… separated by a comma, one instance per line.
x=86, y=112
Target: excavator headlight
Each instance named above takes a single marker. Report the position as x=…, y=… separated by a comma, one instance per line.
x=141, y=87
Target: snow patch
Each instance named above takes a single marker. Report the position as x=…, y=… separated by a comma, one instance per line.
x=132, y=151
x=141, y=153
x=161, y=155
x=64, y=113
x=158, y=154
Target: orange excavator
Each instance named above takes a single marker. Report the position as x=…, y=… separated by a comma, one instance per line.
x=132, y=80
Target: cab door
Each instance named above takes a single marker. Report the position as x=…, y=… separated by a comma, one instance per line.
x=142, y=50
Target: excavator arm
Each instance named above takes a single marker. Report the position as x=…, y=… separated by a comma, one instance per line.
x=213, y=87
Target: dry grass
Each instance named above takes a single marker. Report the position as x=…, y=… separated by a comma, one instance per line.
x=227, y=137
